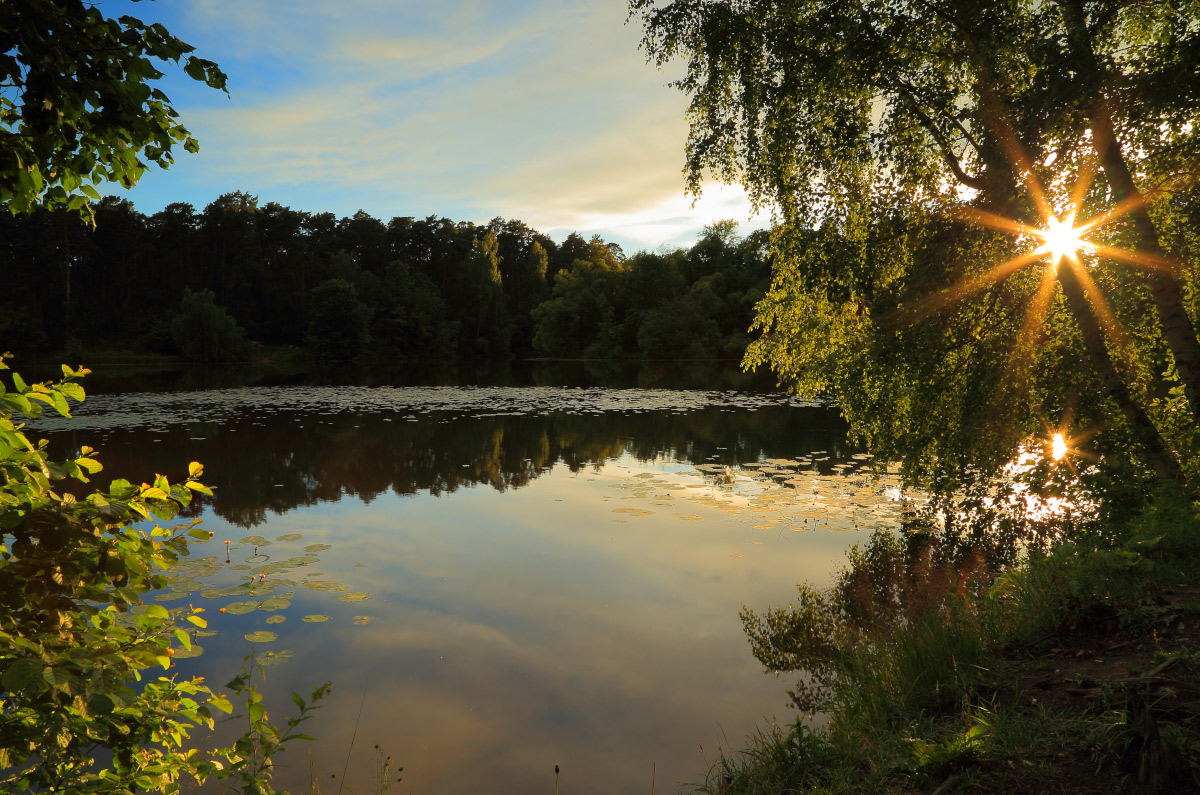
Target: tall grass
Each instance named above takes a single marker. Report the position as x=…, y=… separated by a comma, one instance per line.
x=899, y=656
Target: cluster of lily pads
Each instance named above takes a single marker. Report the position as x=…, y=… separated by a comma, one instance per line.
x=264, y=585
x=158, y=411
x=805, y=493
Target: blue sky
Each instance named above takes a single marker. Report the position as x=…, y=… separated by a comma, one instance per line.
x=544, y=111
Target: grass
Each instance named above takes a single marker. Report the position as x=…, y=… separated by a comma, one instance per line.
x=1072, y=671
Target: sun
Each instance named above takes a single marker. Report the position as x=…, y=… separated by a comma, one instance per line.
x=1061, y=239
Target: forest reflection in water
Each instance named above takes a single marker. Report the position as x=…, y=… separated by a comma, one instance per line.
x=518, y=576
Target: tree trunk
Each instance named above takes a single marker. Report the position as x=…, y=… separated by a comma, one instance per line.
x=1166, y=466
x=1177, y=327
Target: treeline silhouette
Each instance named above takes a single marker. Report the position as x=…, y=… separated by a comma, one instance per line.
x=209, y=285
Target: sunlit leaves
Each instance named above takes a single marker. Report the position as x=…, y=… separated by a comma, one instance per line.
x=76, y=634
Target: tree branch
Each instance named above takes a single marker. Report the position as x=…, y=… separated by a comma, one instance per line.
x=948, y=155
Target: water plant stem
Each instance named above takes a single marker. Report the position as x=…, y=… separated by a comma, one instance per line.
x=353, y=736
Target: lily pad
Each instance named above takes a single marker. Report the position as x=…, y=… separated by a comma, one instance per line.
x=354, y=596
x=273, y=658
x=276, y=619
x=315, y=619
x=170, y=596
x=183, y=654
x=317, y=547
x=323, y=585
x=241, y=608
x=289, y=537
x=361, y=620
x=280, y=602
x=262, y=636
x=204, y=633
x=258, y=541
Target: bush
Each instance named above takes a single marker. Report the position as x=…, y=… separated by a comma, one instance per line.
x=205, y=332
x=75, y=635
x=338, y=321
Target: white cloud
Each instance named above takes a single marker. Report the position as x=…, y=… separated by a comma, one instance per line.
x=544, y=112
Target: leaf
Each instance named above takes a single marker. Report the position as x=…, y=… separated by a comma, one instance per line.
x=90, y=464
x=315, y=619
x=280, y=602
x=261, y=636
x=60, y=404
x=57, y=678
x=241, y=608
x=24, y=674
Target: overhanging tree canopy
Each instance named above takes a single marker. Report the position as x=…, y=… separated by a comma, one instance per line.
x=879, y=122
x=77, y=105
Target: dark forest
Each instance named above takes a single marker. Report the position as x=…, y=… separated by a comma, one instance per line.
x=214, y=285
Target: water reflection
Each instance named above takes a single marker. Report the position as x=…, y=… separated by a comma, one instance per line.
x=269, y=451
x=548, y=576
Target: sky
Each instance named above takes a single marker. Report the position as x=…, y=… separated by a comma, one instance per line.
x=544, y=111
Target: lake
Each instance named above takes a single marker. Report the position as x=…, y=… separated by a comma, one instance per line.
x=497, y=579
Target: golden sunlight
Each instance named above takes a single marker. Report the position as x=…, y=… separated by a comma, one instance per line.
x=1061, y=238
x=1058, y=447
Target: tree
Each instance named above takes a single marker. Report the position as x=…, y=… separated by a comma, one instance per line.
x=77, y=108
x=205, y=332
x=482, y=285
x=891, y=130
x=338, y=321
x=579, y=319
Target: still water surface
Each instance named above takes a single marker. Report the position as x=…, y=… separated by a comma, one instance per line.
x=499, y=579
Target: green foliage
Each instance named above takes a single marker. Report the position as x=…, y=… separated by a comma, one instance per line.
x=205, y=332
x=895, y=636
x=485, y=294
x=883, y=132
x=436, y=290
x=338, y=322
x=681, y=329
x=75, y=634
x=410, y=321
x=76, y=102
x=903, y=650
x=579, y=312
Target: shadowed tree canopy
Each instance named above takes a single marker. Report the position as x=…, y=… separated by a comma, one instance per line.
x=77, y=105
x=912, y=150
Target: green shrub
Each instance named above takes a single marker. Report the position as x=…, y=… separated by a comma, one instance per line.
x=338, y=322
x=76, y=637
x=205, y=332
